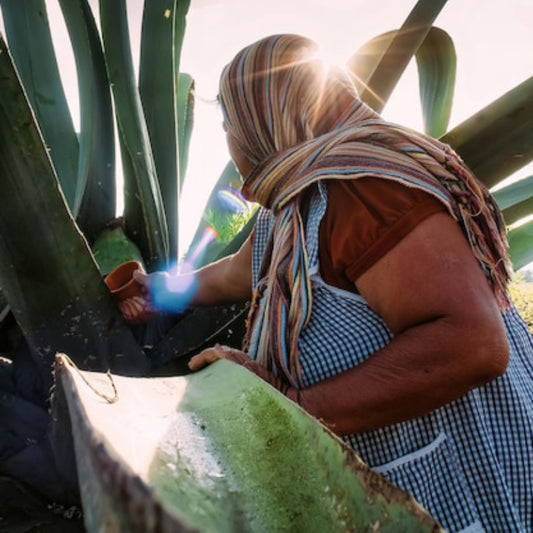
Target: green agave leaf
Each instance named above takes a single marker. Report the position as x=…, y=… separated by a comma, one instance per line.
x=231, y=232
x=199, y=328
x=436, y=61
x=223, y=452
x=514, y=193
x=181, y=7
x=47, y=272
x=30, y=43
x=95, y=202
x=4, y=307
x=390, y=65
x=496, y=141
x=184, y=88
x=185, y=113
x=156, y=87
x=521, y=245
x=518, y=211
x=144, y=212
x=516, y=200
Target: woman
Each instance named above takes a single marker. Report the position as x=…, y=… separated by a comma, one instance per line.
x=378, y=273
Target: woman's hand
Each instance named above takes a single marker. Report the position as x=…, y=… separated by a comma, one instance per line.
x=136, y=310
x=157, y=292
x=210, y=355
x=170, y=293
x=228, y=280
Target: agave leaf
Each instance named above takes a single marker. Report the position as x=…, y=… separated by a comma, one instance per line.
x=238, y=229
x=222, y=452
x=47, y=272
x=516, y=200
x=181, y=7
x=436, y=61
x=517, y=212
x=4, y=307
x=185, y=113
x=198, y=329
x=391, y=64
x=158, y=92
x=520, y=248
x=30, y=43
x=496, y=141
x=184, y=88
x=229, y=178
x=144, y=212
x=514, y=193
x=95, y=202
x=365, y=59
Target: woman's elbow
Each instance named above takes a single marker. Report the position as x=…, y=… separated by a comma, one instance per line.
x=489, y=351
x=496, y=360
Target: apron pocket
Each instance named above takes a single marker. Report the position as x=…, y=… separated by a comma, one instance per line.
x=432, y=475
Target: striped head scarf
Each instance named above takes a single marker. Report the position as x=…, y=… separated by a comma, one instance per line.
x=297, y=124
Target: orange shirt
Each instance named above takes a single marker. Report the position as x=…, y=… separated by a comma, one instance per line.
x=365, y=219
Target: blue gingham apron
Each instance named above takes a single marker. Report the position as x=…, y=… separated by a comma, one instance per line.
x=468, y=463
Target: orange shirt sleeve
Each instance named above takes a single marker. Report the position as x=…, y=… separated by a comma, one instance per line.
x=365, y=219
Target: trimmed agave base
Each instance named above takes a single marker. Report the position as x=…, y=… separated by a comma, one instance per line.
x=218, y=451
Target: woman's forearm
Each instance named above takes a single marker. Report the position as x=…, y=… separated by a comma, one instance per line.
x=420, y=370
x=226, y=281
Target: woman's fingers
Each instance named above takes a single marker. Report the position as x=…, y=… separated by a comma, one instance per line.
x=135, y=310
x=210, y=355
x=206, y=357
x=126, y=308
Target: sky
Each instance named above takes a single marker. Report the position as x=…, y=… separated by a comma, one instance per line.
x=493, y=40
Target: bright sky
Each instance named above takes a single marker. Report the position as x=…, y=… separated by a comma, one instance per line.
x=493, y=40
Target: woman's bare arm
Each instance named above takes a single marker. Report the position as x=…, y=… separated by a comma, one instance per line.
x=226, y=281
x=449, y=334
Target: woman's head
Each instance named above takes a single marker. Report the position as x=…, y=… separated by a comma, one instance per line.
x=277, y=93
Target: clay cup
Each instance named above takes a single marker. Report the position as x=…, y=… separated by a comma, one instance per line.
x=122, y=285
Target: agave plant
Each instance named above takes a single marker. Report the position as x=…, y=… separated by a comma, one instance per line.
x=58, y=234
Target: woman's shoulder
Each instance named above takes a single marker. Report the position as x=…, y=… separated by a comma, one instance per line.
x=365, y=218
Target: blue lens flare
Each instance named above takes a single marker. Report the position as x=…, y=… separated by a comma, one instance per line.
x=232, y=200
x=173, y=292
x=208, y=236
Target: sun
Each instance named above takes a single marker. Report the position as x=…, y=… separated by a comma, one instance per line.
x=333, y=54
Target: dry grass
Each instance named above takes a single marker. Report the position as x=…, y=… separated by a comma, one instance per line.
x=521, y=292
